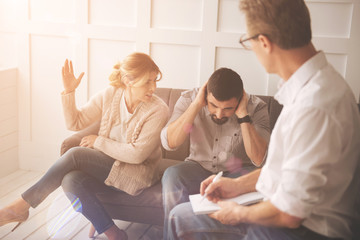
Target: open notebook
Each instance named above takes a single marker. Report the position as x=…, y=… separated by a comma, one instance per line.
x=206, y=207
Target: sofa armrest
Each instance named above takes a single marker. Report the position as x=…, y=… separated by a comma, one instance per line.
x=74, y=140
x=274, y=109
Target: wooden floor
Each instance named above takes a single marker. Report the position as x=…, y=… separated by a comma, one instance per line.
x=55, y=217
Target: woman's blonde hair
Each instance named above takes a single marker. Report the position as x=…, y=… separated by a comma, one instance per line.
x=138, y=67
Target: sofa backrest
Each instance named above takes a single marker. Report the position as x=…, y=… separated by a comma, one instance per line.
x=274, y=109
x=170, y=96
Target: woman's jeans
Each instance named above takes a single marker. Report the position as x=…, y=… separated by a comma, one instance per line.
x=82, y=172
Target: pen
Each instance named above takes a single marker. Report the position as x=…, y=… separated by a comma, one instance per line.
x=217, y=177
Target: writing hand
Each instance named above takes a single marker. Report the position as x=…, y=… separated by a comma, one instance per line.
x=215, y=179
x=208, y=189
x=223, y=188
x=69, y=80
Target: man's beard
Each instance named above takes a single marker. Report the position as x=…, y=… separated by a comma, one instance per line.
x=218, y=121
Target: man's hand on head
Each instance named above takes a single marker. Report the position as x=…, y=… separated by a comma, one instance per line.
x=241, y=110
x=200, y=99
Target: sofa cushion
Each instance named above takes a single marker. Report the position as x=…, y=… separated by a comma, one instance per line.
x=170, y=97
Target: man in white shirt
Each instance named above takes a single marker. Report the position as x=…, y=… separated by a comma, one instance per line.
x=311, y=176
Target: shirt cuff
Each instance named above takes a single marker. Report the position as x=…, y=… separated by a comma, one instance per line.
x=164, y=140
x=289, y=203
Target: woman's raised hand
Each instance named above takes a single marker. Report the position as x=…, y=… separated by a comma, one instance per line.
x=69, y=80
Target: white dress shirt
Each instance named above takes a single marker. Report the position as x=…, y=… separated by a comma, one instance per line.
x=312, y=168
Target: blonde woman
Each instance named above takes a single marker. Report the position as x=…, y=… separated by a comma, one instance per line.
x=122, y=157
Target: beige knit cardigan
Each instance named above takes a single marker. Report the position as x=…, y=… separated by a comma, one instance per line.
x=136, y=161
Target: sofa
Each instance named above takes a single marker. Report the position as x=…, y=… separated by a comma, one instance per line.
x=147, y=207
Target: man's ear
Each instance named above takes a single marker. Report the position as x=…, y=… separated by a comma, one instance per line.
x=265, y=43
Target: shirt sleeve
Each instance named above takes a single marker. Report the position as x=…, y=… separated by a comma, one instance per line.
x=77, y=119
x=312, y=145
x=164, y=139
x=261, y=121
x=180, y=107
x=260, y=118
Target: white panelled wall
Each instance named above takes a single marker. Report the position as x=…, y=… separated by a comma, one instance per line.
x=188, y=39
x=8, y=122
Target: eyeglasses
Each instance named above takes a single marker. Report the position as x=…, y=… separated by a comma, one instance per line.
x=245, y=41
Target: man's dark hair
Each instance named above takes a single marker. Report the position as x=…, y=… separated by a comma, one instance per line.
x=225, y=84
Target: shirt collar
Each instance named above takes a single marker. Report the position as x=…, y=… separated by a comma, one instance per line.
x=289, y=90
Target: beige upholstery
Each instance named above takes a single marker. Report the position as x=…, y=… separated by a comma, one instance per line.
x=147, y=207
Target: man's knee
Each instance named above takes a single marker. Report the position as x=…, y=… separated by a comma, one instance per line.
x=171, y=175
x=182, y=210
x=183, y=223
x=176, y=216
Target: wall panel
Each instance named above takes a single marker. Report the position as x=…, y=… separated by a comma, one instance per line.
x=113, y=12
x=246, y=65
x=46, y=85
x=8, y=50
x=177, y=14
x=331, y=19
x=230, y=19
x=9, y=128
x=103, y=55
x=179, y=64
x=62, y=11
x=8, y=14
